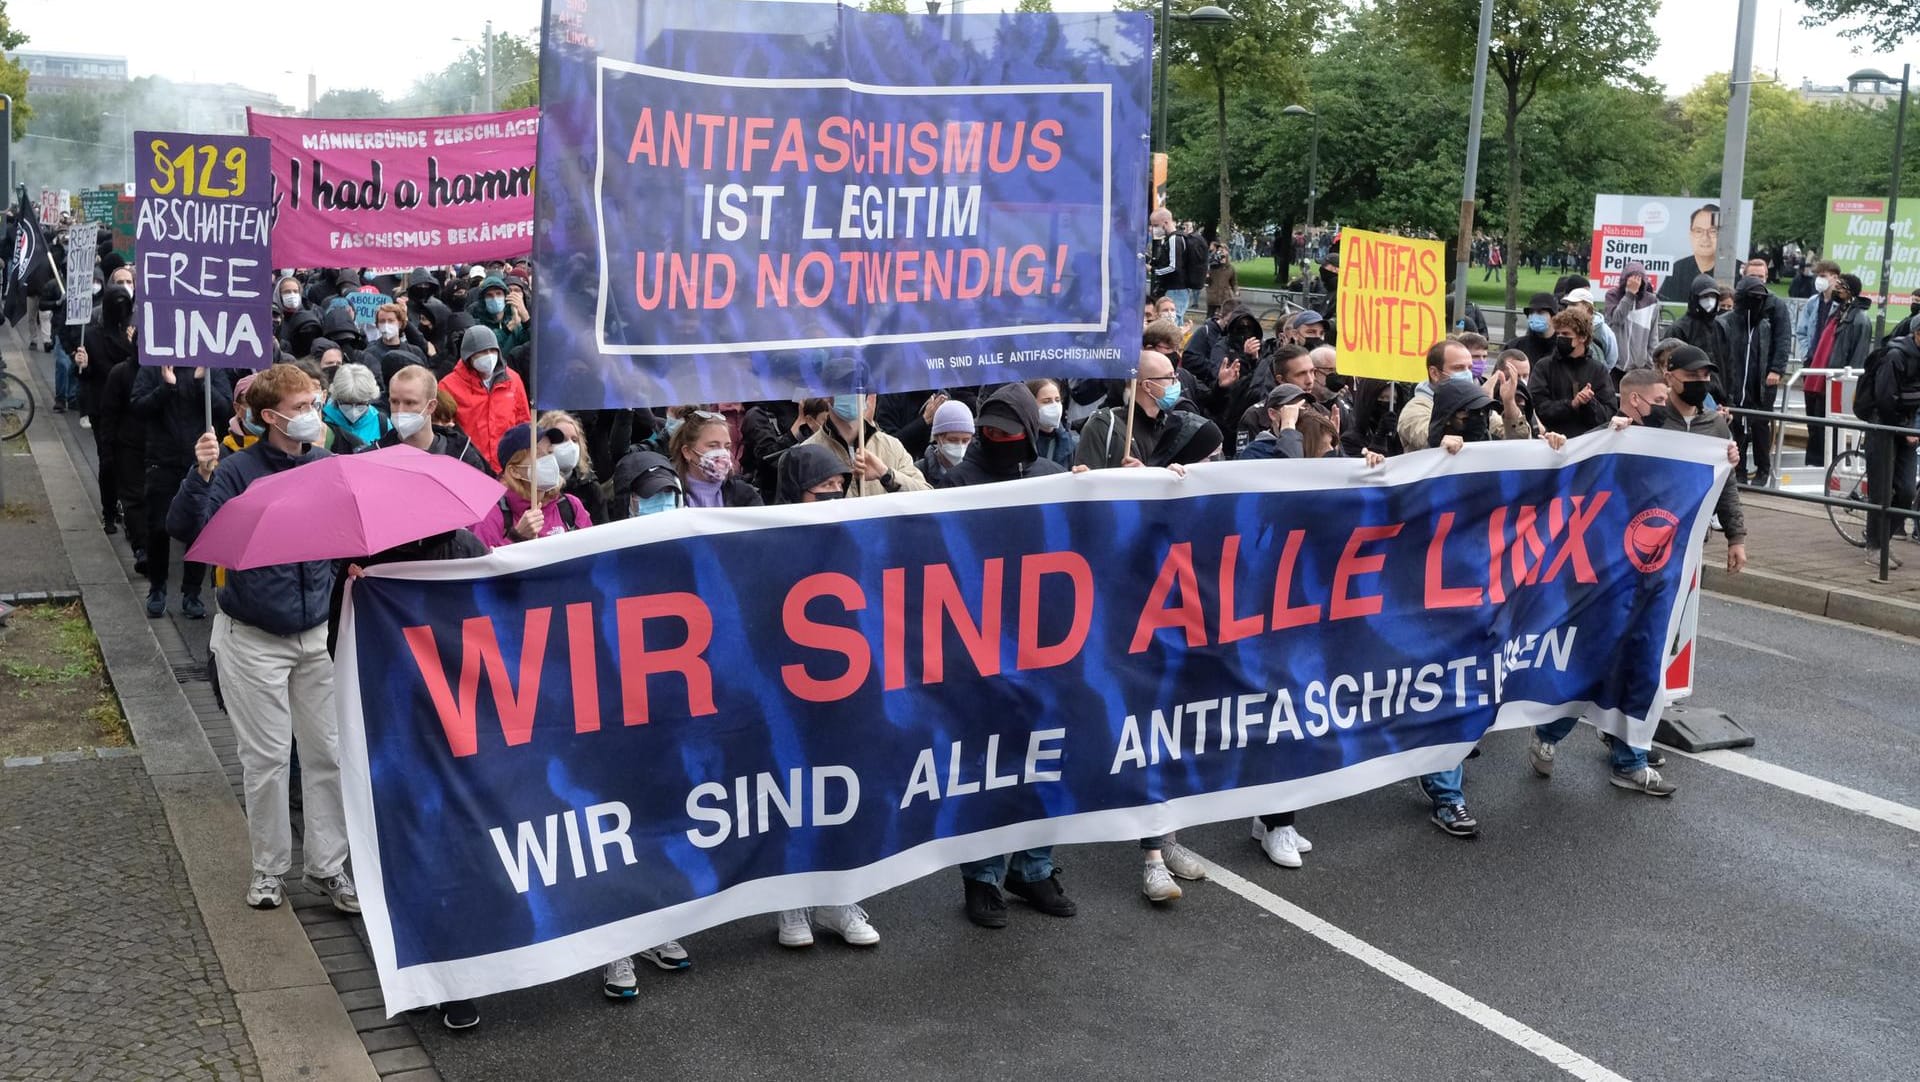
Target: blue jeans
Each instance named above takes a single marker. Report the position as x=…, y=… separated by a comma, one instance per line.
x=1443, y=787
x=66, y=379
x=1031, y=865
x=1625, y=759
x=1182, y=298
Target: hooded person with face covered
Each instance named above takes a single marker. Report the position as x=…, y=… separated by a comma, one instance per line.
x=810, y=473
x=1006, y=442
x=1699, y=326
x=1758, y=341
x=1633, y=313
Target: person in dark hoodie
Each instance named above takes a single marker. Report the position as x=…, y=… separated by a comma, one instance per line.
x=271, y=637
x=1758, y=342
x=810, y=473
x=1233, y=334
x=1699, y=326
x=1006, y=444
x=106, y=342
x=501, y=311
x=1006, y=448
x=338, y=327
x=1888, y=394
x=1571, y=390
x=170, y=400
x=123, y=440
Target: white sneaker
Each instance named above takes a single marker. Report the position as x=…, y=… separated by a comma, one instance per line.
x=849, y=922
x=1299, y=843
x=669, y=956
x=339, y=890
x=1182, y=862
x=266, y=891
x=1279, y=847
x=617, y=980
x=1156, y=883
x=795, y=929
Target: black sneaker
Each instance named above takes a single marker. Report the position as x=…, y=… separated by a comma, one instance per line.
x=1044, y=895
x=1455, y=820
x=59, y=405
x=985, y=906
x=460, y=1014
x=109, y=526
x=193, y=608
x=139, y=561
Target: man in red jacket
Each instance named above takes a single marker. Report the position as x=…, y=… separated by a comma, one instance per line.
x=488, y=397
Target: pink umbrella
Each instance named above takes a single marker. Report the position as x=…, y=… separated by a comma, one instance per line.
x=345, y=506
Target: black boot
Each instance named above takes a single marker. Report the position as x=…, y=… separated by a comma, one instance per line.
x=985, y=906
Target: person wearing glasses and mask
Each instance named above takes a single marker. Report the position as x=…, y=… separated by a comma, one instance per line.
x=1161, y=434
x=536, y=504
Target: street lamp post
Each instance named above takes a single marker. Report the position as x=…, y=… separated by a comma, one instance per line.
x=1313, y=187
x=1205, y=15
x=1893, y=188
x=126, y=147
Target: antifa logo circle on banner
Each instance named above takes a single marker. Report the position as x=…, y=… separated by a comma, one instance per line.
x=1650, y=539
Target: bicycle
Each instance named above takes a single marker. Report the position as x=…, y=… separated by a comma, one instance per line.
x=16, y=404
x=1847, y=480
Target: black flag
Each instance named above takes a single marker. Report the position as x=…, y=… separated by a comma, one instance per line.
x=29, y=264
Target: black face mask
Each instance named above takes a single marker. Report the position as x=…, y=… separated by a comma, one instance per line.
x=834, y=495
x=1693, y=393
x=1336, y=383
x=1004, y=456
x=1562, y=345
x=1475, y=430
x=1748, y=303
x=1656, y=416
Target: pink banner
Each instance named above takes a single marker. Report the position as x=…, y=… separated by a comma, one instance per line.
x=401, y=191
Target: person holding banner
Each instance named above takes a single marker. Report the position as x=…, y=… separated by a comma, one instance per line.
x=1451, y=361
x=271, y=636
x=880, y=463
x=1150, y=431
x=488, y=397
x=1572, y=388
x=535, y=505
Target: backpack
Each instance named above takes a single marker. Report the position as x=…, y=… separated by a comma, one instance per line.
x=1193, y=261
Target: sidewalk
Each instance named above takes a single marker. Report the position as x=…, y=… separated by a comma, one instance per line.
x=148, y=962
x=1797, y=560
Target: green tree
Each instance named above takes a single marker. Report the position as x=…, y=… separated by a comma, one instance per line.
x=1033, y=7
x=353, y=103
x=1888, y=24
x=461, y=87
x=1537, y=45
x=891, y=7
x=13, y=74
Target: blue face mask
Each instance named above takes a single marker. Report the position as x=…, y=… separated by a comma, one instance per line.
x=673, y=425
x=1170, y=397
x=846, y=406
x=496, y=305
x=1465, y=375
x=1537, y=324
x=654, y=504
x=253, y=426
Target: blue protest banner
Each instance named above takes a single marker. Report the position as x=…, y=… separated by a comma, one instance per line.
x=955, y=200
x=366, y=304
x=578, y=747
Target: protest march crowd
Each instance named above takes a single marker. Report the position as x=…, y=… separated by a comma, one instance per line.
x=445, y=371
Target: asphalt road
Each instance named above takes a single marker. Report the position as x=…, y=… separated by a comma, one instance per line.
x=1740, y=930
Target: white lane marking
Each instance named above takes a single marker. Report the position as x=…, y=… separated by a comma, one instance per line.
x=1427, y=985
x=1807, y=785
x=1745, y=645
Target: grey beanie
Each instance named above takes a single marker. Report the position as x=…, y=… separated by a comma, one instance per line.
x=478, y=339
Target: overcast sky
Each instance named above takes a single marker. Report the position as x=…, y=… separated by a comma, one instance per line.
x=247, y=41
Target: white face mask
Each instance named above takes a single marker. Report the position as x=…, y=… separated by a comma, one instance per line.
x=389, y=332
x=483, y=363
x=353, y=411
x=1708, y=303
x=1822, y=284
x=1050, y=416
x=567, y=455
x=409, y=425
x=546, y=472
x=953, y=452
x=304, y=428
x=290, y=301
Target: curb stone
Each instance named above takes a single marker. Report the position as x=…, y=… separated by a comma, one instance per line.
x=291, y=1016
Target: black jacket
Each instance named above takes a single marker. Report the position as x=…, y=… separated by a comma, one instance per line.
x=284, y=599
x=1853, y=335
x=116, y=423
x=452, y=545
x=1556, y=379
x=766, y=430
x=985, y=464
x=448, y=441
x=298, y=331
x=1759, y=333
x=1217, y=339
x=107, y=345
x=1703, y=329
x=1171, y=436
x=175, y=413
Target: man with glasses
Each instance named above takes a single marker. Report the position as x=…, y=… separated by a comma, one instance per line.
x=1162, y=435
x=1703, y=232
